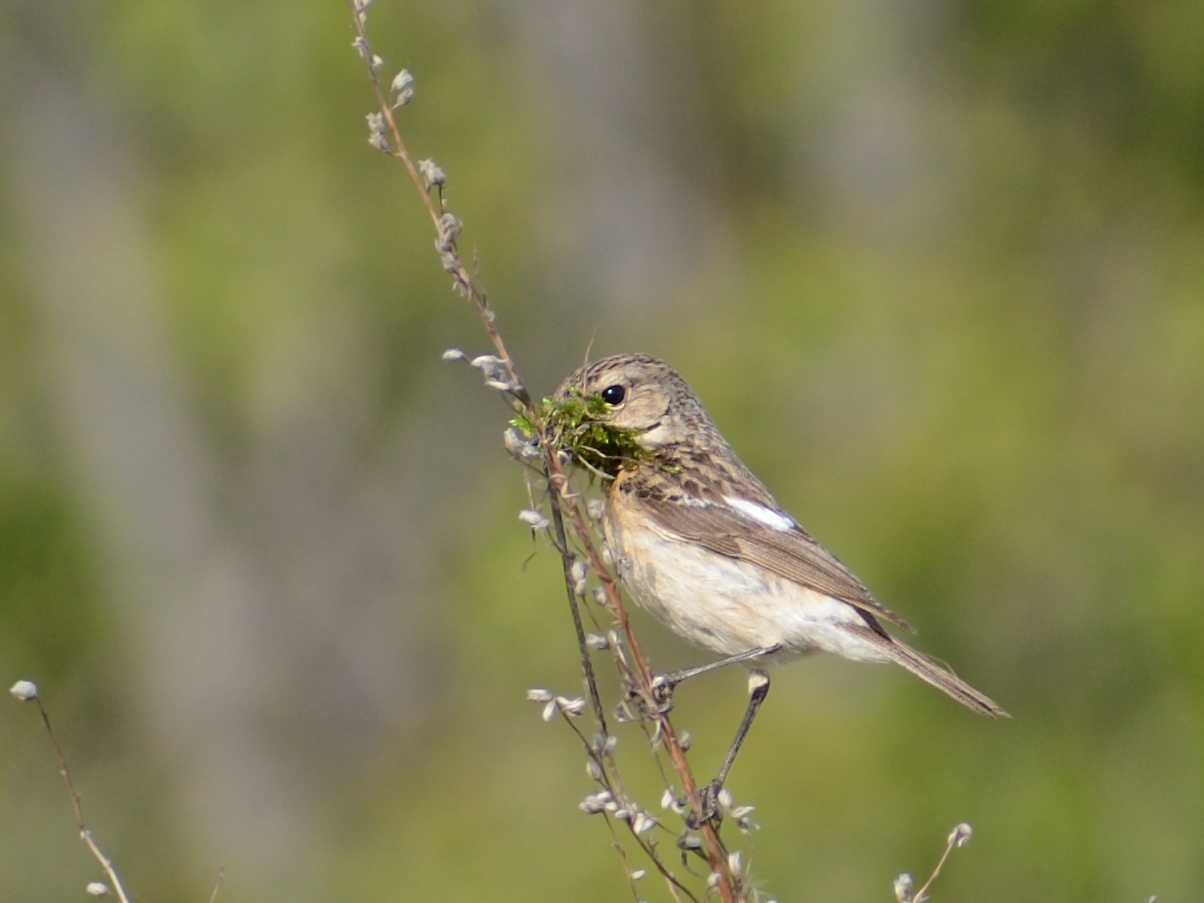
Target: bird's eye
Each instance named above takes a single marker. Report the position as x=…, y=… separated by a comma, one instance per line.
x=614, y=395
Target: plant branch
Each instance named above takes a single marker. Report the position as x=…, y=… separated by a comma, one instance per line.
x=447, y=229
x=26, y=692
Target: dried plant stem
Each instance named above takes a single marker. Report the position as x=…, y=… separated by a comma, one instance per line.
x=562, y=500
x=85, y=834
x=643, y=672
x=610, y=781
x=463, y=278
x=217, y=885
x=587, y=662
x=922, y=893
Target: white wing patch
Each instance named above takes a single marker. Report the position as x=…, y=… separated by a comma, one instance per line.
x=775, y=520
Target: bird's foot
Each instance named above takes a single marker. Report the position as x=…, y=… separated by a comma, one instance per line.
x=662, y=694
x=708, y=796
x=655, y=701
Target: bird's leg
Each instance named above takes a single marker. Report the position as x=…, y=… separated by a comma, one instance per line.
x=663, y=685
x=758, y=689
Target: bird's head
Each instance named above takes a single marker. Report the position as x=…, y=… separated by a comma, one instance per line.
x=640, y=395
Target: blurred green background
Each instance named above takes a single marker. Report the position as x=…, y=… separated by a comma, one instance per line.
x=936, y=268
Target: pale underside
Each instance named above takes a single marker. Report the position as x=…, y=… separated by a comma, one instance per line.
x=728, y=605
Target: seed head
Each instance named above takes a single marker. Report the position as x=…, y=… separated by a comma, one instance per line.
x=643, y=823
x=376, y=132
x=519, y=447
x=402, y=88
x=533, y=519
x=432, y=175
x=960, y=836
x=24, y=690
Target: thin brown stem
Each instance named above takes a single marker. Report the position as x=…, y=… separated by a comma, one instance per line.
x=77, y=805
x=715, y=855
x=587, y=663
x=459, y=272
x=956, y=838
x=466, y=283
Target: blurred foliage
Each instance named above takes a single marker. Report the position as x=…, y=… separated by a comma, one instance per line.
x=980, y=383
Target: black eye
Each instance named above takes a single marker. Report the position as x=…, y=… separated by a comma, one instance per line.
x=614, y=395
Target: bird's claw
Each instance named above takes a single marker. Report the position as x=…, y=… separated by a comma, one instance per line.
x=662, y=695
x=708, y=796
x=656, y=700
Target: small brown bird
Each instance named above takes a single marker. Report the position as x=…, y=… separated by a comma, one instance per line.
x=700, y=543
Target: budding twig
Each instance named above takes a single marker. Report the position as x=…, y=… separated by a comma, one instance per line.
x=26, y=691
x=563, y=503
x=958, y=838
x=570, y=584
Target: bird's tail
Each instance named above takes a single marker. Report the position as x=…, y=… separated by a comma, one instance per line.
x=939, y=676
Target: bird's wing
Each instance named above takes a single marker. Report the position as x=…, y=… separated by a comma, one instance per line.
x=788, y=551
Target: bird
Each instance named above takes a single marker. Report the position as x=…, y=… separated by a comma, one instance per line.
x=700, y=543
